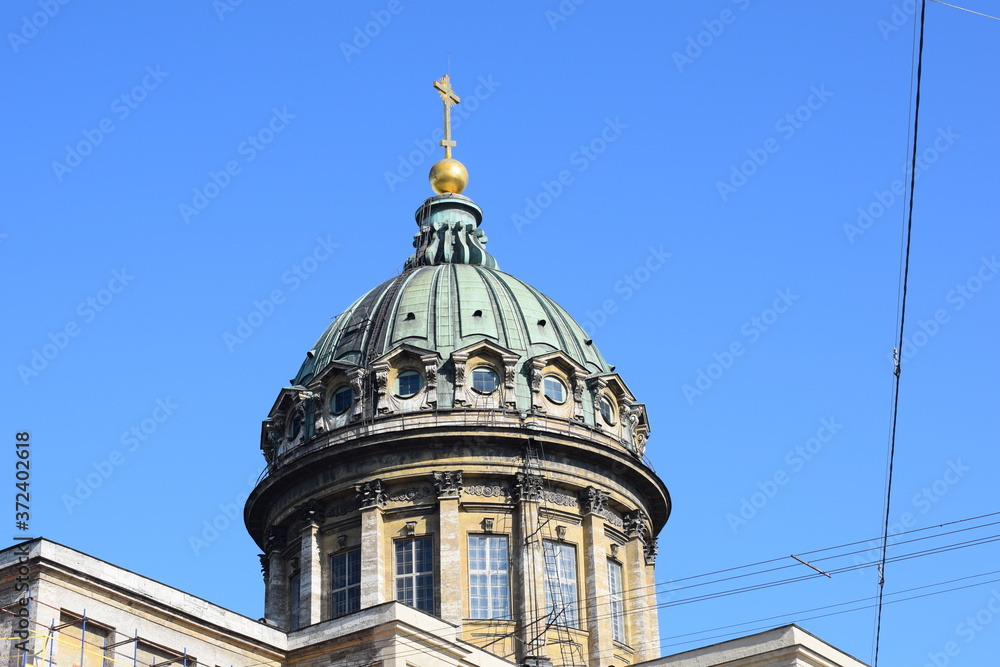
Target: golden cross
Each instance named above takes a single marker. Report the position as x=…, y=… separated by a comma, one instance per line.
x=450, y=99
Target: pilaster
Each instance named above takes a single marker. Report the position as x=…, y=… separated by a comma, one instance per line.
x=529, y=569
x=640, y=604
x=448, y=484
x=311, y=579
x=595, y=570
x=276, y=578
x=376, y=571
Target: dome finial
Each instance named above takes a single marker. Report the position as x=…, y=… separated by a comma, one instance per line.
x=448, y=175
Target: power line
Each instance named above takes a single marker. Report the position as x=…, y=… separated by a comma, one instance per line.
x=966, y=10
x=902, y=324
x=845, y=611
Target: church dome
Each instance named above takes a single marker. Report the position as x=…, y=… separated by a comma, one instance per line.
x=452, y=333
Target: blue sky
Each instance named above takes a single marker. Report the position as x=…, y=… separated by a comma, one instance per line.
x=172, y=168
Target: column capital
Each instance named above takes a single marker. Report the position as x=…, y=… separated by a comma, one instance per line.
x=527, y=486
x=311, y=513
x=635, y=524
x=593, y=500
x=649, y=549
x=276, y=540
x=371, y=494
x=447, y=483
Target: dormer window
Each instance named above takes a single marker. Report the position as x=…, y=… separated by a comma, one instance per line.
x=295, y=425
x=485, y=380
x=607, y=411
x=554, y=389
x=408, y=383
x=341, y=400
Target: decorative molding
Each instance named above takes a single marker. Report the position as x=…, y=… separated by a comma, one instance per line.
x=316, y=401
x=275, y=429
x=370, y=494
x=265, y=566
x=458, y=361
x=341, y=541
x=430, y=362
x=593, y=501
x=631, y=418
x=447, y=483
x=381, y=371
x=579, y=381
x=487, y=524
x=356, y=376
x=536, y=385
x=527, y=486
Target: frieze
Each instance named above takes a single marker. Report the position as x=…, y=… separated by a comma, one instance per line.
x=613, y=518
x=409, y=494
x=559, y=498
x=487, y=490
x=345, y=507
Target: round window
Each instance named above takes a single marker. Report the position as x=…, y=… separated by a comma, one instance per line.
x=484, y=380
x=607, y=410
x=554, y=389
x=341, y=401
x=408, y=383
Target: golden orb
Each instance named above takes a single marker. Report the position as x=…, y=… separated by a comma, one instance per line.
x=448, y=175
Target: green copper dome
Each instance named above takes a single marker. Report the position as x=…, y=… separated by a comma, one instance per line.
x=446, y=307
x=450, y=296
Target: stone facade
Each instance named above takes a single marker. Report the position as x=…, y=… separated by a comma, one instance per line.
x=109, y=616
